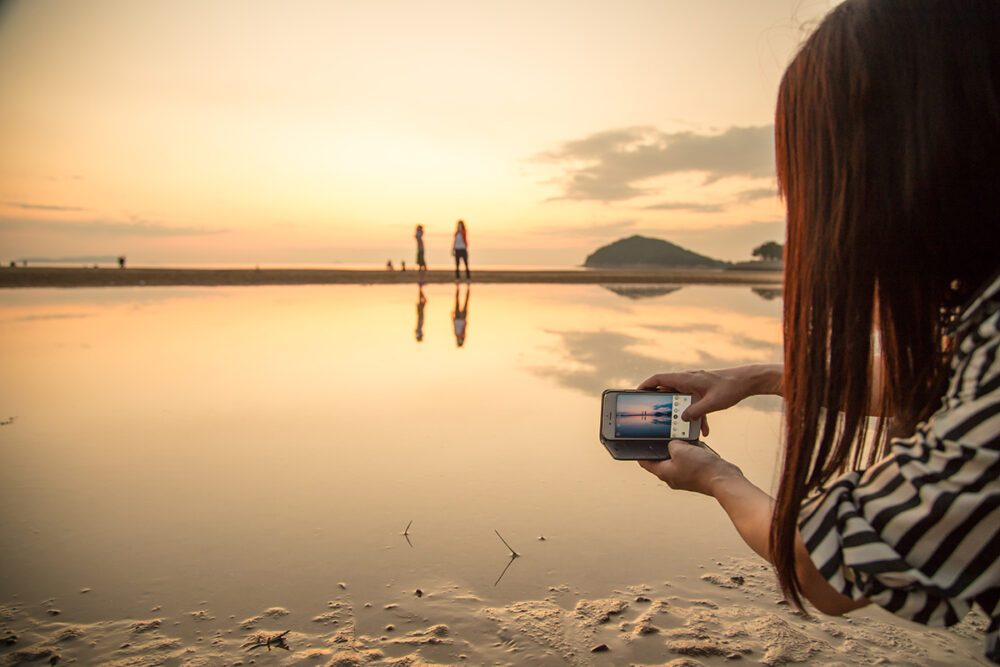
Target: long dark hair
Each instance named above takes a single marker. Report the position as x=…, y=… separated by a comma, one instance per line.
x=887, y=137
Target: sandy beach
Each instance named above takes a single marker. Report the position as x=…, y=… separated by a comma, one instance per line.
x=733, y=612
x=139, y=277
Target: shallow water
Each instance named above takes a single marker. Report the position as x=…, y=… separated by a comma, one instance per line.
x=254, y=447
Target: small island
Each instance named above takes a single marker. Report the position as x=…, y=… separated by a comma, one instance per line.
x=642, y=253
x=636, y=252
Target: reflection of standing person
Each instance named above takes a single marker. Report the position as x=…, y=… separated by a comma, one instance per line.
x=421, y=302
x=421, y=264
x=460, y=248
x=460, y=317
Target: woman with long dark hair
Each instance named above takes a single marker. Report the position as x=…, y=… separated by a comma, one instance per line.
x=460, y=248
x=887, y=138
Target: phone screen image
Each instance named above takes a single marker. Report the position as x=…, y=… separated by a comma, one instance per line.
x=651, y=416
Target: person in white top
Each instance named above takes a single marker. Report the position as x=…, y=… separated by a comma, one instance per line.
x=460, y=248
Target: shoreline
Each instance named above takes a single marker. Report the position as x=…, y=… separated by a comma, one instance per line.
x=13, y=277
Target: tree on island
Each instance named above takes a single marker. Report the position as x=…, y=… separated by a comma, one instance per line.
x=770, y=251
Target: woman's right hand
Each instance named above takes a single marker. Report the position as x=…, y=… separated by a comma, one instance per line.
x=719, y=389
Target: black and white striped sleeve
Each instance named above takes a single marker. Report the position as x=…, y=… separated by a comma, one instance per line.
x=919, y=532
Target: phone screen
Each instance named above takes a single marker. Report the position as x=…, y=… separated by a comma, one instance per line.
x=646, y=416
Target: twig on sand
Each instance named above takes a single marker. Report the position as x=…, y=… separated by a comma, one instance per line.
x=262, y=639
x=8, y=421
x=513, y=553
x=406, y=533
x=509, y=563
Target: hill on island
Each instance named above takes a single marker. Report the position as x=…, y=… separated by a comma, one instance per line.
x=644, y=252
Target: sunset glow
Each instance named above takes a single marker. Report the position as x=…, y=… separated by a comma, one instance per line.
x=318, y=132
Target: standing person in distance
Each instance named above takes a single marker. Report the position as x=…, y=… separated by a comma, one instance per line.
x=421, y=264
x=460, y=248
x=887, y=135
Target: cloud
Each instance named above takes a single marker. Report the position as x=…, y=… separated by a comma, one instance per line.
x=732, y=242
x=755, y=194
x=687, y=206
x=596, y=360
x=62, y=316
x=744, y=197
x=594, y=229
x=133, y=227
x=43, y=207
x=609, y=165
x=766, y=229
x=736, y=339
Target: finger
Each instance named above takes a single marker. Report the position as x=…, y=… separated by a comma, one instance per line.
x=668, y=381
x=681, y=382
x=693, y=413
x=651, y=383
x=704, y=427
x=700, y=408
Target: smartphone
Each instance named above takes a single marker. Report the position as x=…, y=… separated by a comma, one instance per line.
x=639, y=424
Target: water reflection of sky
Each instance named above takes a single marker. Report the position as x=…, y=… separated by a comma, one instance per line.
x=698, y=327
x=164, y=437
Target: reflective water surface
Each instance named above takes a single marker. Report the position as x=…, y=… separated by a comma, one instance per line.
x=257, y=446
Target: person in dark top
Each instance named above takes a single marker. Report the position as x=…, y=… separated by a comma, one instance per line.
x=421, y=264
x=887, y=136
x=460, y=248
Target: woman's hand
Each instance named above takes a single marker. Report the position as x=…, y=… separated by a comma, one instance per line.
x=718, y=390
x=693, y=468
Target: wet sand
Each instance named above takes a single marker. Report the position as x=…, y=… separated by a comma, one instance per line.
x=732, y=613
x=143, y=277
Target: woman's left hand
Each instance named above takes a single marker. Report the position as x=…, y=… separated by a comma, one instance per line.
x=693, y=468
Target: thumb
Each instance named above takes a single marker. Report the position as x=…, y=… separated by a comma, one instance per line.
x=653, y=467
x=674, y=445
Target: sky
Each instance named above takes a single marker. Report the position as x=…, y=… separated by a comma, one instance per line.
x=313, y=132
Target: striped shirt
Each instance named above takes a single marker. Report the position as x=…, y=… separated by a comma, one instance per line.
x=918, y=533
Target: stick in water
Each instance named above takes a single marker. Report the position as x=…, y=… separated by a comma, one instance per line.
x=512, y=552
